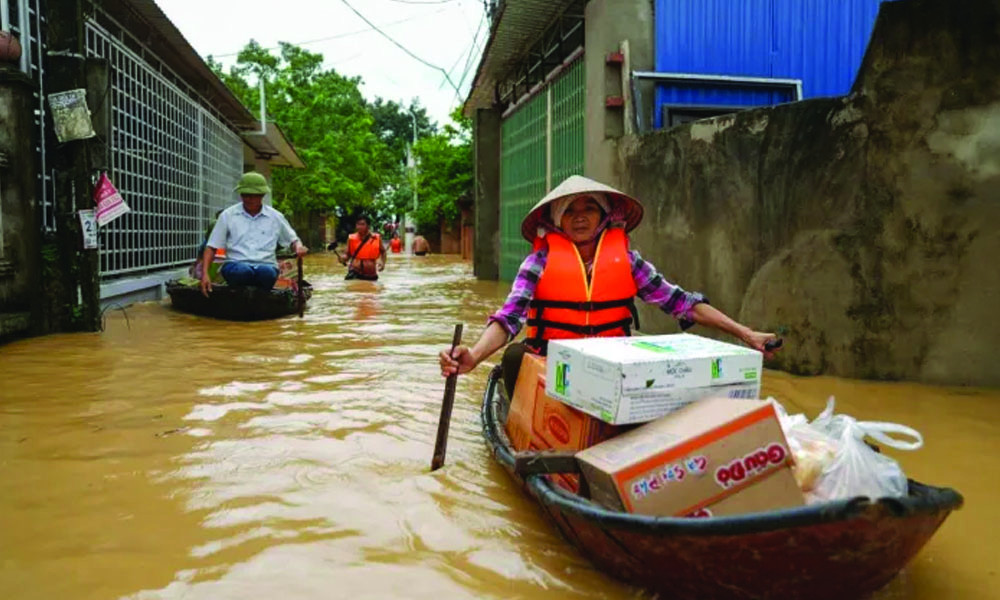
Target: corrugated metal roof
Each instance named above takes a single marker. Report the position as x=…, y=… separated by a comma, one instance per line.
x=518, y=24
x=182, y=58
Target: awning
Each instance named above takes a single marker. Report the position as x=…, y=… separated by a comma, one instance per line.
x=273, y=146
x=518, y=24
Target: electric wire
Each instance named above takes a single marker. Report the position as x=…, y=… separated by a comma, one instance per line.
x=340, y=35
x=400, y=46
x=468, y=58
x=422, y=1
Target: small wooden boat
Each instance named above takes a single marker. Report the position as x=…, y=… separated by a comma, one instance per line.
x=842, y=549
x=237, y=303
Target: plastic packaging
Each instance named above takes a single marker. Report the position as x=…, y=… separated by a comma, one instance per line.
x=857, y=469
x=834, y=462
x=812, y=449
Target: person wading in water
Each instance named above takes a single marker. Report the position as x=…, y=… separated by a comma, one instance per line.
x=365, y=254
x=581, y=280
x=420, y=245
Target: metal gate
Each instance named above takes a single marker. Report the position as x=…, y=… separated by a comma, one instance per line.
x=26, y=20
x=173, y=161
x=542, y=143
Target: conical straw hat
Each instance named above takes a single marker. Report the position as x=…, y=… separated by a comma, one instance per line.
x=577, y=184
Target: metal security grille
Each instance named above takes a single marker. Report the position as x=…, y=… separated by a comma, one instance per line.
x=568, y=109
x=542, y=143
x=26, y=20
x=175, y=163
x=522, y=178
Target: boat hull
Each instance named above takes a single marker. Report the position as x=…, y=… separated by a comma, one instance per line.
x=236, y=303
x=837, y=550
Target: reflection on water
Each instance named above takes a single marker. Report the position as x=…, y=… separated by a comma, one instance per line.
x=189, y=458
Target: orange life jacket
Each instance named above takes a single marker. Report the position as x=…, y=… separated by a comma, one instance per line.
x=567, y=306
x=396, y=245
x=370, y=251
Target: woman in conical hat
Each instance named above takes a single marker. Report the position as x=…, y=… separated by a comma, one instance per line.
x=581, y=280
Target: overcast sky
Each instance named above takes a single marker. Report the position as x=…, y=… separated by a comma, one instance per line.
x=441, y=32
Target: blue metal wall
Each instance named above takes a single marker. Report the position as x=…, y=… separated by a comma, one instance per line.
x=820, y=42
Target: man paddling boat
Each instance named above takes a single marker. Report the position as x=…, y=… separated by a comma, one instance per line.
x=581, y=280
x=249, y=233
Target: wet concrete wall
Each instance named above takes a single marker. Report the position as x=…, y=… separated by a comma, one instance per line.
x=864, y=229
x=19, y=230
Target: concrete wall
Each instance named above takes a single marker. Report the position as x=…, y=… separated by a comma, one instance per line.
x=608, y=24
x=451, y=237
x=863, y=229
x=20, y=251
x=486, y=190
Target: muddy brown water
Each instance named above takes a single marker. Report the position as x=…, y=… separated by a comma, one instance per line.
x=178, y=457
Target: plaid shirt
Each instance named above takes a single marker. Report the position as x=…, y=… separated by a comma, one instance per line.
x=653, y=288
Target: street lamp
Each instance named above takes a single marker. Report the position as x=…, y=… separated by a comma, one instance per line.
x=413, y=153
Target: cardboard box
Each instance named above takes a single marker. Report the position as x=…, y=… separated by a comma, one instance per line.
x=537, y=422
x=718, y=456
x=637, y=379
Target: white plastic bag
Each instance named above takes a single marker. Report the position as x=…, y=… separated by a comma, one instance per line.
x=857, y=469
x=812, y=449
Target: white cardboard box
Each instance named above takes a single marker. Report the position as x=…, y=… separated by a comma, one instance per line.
x=626, y=380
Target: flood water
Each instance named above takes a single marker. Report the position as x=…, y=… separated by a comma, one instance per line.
x=178, y=457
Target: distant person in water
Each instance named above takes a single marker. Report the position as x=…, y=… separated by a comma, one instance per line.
x=420, y=245
x=249, y=232
x=365, y=254
x=396, y=244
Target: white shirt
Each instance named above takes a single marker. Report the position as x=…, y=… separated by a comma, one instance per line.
x=249, y=238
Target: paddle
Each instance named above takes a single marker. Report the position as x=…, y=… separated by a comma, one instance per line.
x=441, y=445
x=301, y=295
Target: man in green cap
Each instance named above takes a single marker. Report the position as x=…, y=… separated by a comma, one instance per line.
x=249, y=232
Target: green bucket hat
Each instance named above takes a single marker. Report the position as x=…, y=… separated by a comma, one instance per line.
x=253, y=183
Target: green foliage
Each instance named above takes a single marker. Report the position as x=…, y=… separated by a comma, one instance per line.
x=444, y=173
x=325, y=117
x=355, y=151
x=394, y=125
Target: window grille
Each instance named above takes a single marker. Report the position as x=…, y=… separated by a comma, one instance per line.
x=26, y=20
x=173, y=161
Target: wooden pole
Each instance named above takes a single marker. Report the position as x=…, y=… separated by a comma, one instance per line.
x=301, y=293
x=441, y=445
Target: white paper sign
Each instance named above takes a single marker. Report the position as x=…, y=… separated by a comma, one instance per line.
x=88, y=223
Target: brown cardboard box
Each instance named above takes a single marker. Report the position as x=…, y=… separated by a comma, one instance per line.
x=718, y=456
x=536, y=421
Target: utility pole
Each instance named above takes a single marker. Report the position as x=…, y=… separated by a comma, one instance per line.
x=409, y=222
x=73, y=295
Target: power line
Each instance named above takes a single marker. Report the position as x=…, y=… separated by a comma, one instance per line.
x=468, y=59
x=400, y=46
x=342, y=35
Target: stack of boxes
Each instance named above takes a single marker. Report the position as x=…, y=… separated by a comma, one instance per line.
x=707, y=446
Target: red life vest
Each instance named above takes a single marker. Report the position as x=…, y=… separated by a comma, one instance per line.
x=567, y=306
x=396, y=245
x=370, y=251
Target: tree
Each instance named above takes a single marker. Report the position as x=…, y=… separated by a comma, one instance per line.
x=444, y=173
x=325, y=116
x=355, y=151
x=393, y=124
